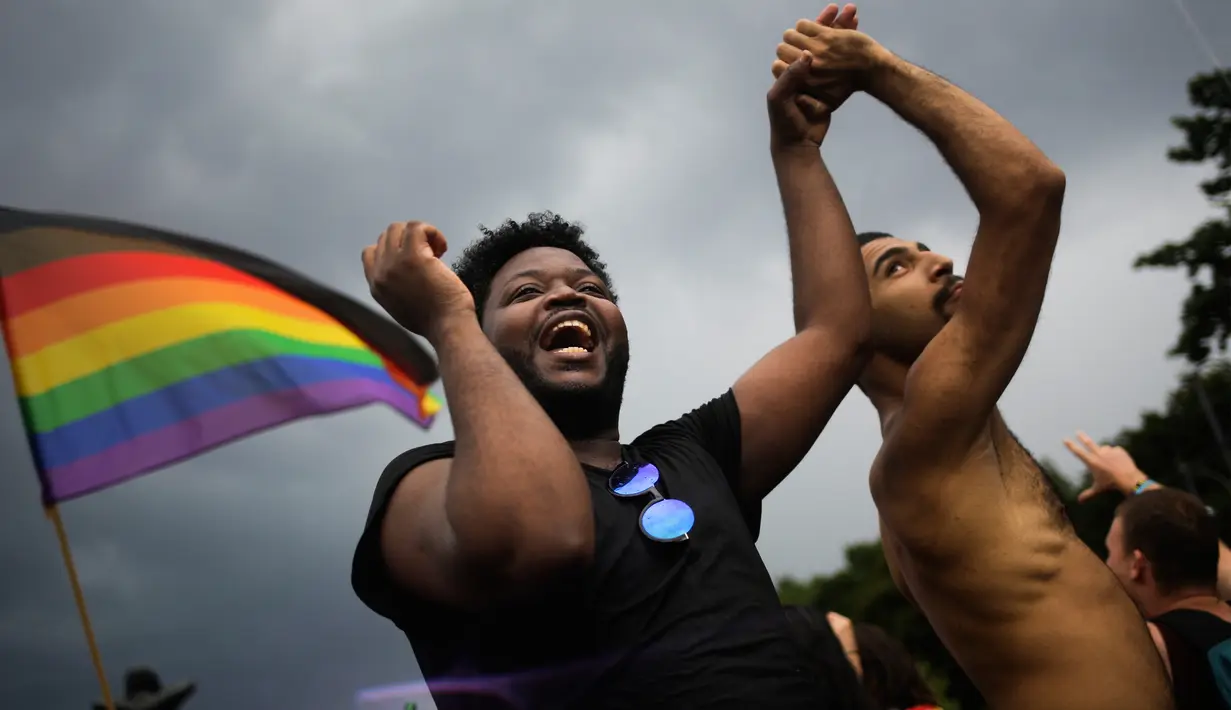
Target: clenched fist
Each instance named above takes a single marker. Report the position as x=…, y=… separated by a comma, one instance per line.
x=411, y=283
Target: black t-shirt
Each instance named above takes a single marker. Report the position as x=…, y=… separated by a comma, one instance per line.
x=1189, y=635
x=685, y=625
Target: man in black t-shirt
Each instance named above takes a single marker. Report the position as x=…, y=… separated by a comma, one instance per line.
x=538, y=562
x=1164, y=548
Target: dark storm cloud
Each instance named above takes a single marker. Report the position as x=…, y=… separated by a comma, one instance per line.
x=300, y=128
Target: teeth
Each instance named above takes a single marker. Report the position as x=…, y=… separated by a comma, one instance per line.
x=570, y=349
x=573, y=324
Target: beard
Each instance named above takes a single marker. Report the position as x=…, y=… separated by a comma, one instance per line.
x=579, y=412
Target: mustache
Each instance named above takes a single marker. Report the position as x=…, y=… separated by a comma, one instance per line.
x=945, y=293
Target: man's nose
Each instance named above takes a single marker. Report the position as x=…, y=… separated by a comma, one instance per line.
x=941, y=268
x=563, y=296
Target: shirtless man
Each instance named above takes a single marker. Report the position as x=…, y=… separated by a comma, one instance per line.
x=974, y=534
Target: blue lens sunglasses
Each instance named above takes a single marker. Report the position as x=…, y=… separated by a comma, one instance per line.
x=663, y=519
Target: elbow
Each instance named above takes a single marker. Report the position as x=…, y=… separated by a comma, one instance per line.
x=513, y=536
x=555, y=540
x=496, y=575
x=560, y=549
x=1035, y=195
x=535, y=558
x=549, y=563
x=1042, y=186
x=1050, y=181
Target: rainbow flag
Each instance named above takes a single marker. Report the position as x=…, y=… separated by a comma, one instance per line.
x=133, y=348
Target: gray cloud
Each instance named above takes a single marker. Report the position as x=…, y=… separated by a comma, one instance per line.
x=299, y=129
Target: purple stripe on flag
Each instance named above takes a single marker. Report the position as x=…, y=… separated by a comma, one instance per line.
x=217, y=427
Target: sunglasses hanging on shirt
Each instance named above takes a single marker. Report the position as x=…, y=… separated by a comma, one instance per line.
x=662, y=519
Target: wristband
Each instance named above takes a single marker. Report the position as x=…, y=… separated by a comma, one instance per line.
x=1143, y=486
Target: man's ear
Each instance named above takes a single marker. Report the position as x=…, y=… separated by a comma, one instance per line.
x=1139, y=567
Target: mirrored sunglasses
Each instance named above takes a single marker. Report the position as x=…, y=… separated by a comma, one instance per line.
x=662, y=519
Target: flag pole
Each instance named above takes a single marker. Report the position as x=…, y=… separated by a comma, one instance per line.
x=53, y=513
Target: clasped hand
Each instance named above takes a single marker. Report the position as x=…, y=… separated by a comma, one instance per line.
x=819, y=65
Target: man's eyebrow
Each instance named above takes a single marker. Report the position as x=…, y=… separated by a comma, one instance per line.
x=921, y=246
x=886, y=256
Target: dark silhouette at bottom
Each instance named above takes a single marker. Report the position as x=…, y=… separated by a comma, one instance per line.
x=143, y=690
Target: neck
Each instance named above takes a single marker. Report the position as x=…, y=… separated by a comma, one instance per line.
x=582, y=418
x=602, y=450
x=884, y=381
x=1199, y=598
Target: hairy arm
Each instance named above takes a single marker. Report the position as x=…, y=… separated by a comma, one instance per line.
x=786, y=399
x=510, y=510
x=954, y=386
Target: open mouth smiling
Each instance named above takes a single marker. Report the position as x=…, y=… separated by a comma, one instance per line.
x=568, y=337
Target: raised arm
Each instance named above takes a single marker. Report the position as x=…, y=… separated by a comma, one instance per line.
x=512, y=508
x=786, y=399
x=1018, y=192
x=1112, y=468
x=955, y=384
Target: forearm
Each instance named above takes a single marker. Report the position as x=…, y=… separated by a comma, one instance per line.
x=829, y=286
x=1000, y=167
x=515, y=485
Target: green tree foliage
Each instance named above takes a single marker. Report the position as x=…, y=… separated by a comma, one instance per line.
x=1206, y=254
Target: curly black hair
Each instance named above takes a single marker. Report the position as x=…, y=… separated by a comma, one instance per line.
x=480, y=261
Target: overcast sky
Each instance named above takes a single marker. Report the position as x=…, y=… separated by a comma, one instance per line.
x=300, y=128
